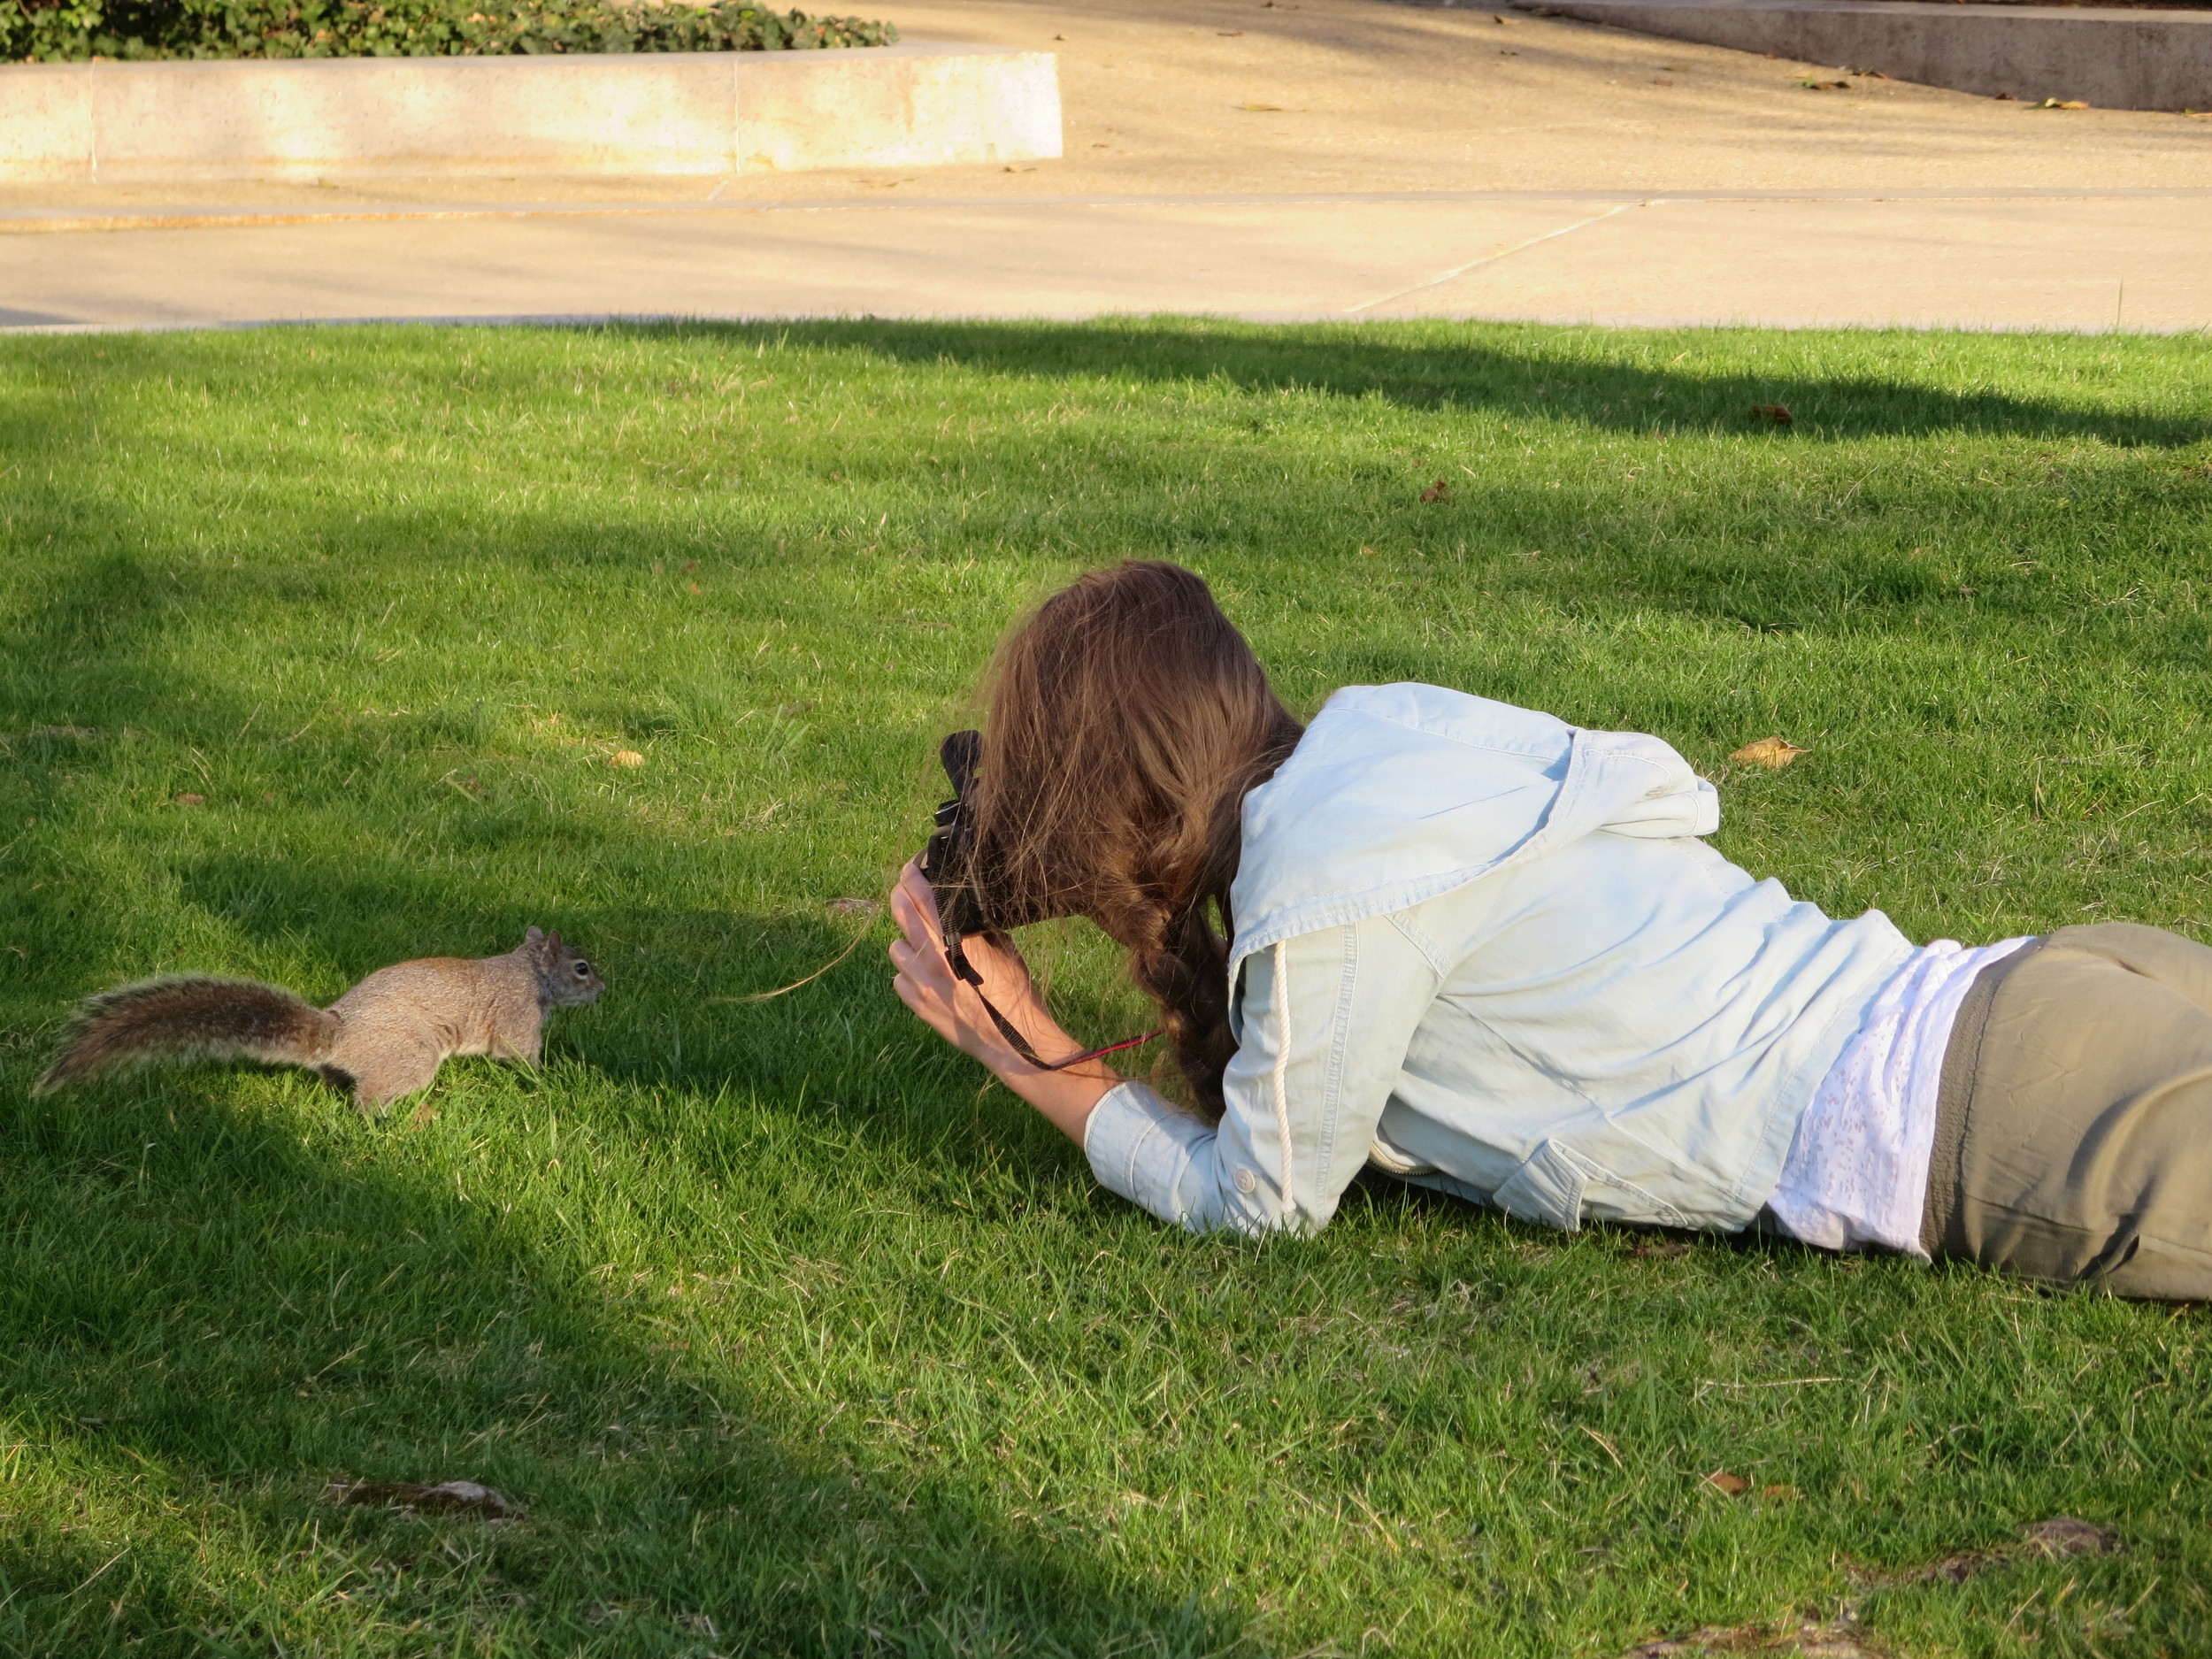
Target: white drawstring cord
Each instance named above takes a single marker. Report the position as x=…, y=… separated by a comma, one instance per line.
x=1282, y=1066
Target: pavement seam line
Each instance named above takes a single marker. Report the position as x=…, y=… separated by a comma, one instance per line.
x=1502, y=253
x=48, y=221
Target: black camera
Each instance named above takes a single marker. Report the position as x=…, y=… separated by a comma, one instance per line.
x=947, y=859
x=968, y=901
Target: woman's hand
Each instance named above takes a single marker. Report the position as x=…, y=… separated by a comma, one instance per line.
x=952, y=1009
x=949, y=1006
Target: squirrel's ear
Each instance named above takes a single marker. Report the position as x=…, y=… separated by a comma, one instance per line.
x=554, y=939
x=534, y=935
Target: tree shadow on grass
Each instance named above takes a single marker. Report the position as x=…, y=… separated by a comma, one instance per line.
x=1525, y=372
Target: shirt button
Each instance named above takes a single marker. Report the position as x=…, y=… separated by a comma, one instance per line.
x=1246, y=1180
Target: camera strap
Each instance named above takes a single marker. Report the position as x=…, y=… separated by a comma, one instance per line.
x=956, y=958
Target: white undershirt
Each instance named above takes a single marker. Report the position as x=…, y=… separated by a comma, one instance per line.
x=1857, y=1170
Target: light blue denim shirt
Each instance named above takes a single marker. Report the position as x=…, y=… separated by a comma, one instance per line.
x=1488, y=951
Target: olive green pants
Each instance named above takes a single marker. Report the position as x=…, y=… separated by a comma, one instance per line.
x=2074, y=1126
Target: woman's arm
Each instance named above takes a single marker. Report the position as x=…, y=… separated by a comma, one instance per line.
x=953, y=1010
x=1327, y=1019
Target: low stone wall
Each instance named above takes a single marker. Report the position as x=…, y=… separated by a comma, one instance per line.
x=2117, y=60
x=913, y=104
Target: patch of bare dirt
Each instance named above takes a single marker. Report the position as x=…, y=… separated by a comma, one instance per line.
x=1807, y=1642
x=2055, y=1540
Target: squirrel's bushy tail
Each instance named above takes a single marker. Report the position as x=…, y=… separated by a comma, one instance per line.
x=190, y=1016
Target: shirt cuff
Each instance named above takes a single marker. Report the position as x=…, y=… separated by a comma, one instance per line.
x=1140, y=1147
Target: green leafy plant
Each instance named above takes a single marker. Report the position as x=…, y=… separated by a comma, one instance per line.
x=71, y=31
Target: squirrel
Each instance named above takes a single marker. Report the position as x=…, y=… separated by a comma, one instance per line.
x=385, y=1038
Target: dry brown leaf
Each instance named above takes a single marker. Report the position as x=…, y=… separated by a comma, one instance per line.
x=855, y=907
x=1726, y=1484
x=191, y=799
x=1774, y=753
x=625, y=758
x=1438, y=491
x=446, y=1497
x=1779, y=413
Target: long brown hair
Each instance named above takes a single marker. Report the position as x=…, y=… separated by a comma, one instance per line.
x=1128, y=719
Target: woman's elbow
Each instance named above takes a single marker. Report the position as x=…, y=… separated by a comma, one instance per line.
x=1256, y=1215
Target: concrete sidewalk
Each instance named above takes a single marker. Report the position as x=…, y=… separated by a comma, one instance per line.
x=1322, y=158
x=2137, y=262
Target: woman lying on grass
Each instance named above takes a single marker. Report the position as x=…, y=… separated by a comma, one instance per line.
x=1488, y=953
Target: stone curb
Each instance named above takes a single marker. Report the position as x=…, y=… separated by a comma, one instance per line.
x=2111, y=59
x=914, y=104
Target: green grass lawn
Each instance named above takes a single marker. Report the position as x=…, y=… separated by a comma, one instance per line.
x=787, y=1335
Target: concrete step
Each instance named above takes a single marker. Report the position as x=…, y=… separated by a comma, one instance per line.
x=2110, y=57
x=918, y=103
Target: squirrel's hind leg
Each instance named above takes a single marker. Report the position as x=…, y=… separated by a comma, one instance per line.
x=393, y=1071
